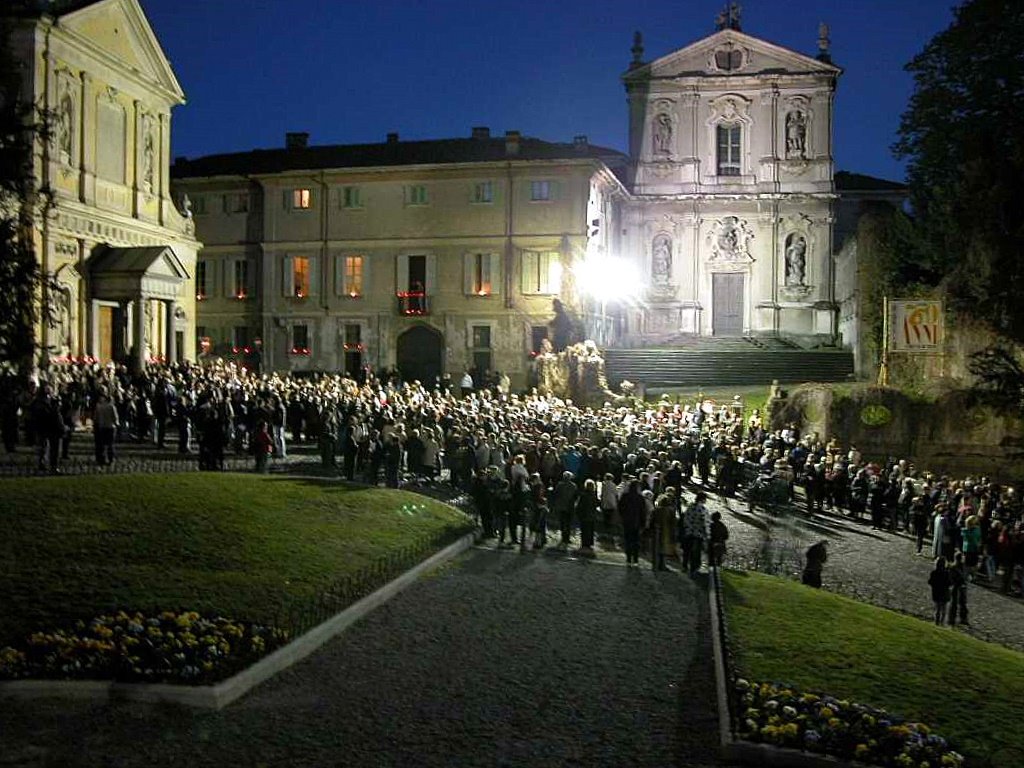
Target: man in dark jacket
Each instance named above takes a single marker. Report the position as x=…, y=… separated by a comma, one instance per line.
x=632, y=512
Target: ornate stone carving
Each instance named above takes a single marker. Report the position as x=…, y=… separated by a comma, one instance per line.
x=148, y=155
x=66, y=123
x=729, y=241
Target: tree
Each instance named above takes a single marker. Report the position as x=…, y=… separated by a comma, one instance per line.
x=24, y=289
x=963, y=134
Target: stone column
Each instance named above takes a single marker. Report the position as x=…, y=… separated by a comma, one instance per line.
x=170, y=347
x=140, y=332
x=93, y=332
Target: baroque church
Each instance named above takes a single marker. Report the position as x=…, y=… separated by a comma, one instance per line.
x=121, y=253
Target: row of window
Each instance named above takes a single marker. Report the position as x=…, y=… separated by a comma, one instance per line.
x=540, y=273
x=302, y=198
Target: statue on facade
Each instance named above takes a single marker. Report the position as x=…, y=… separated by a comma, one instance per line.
x=729, y=17
x=796, y=134
x=661, y=260
x=796, y=261
x=565, y=328
x=65, y=127
x=148, y=160
x=186, y=206
x=663, y=134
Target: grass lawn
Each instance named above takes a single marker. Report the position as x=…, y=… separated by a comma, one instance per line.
x=970, y=691
x=245, y=546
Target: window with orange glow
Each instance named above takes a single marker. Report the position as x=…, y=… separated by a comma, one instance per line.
x=301, y=198
x=300, y=276
x=354, y=275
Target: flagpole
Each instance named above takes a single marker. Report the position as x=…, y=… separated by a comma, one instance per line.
x=883, y=369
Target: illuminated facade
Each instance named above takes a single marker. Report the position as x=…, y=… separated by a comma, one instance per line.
x=122, y=254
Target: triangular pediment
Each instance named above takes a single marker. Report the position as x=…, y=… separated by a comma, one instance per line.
x=120, y=30
x=147, y=261
x=731, y=52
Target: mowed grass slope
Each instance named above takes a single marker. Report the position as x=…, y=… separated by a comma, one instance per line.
x=245, y=546
x=970, y=691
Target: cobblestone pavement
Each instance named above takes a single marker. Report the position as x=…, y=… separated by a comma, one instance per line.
x=499, y=659
x=876, y=567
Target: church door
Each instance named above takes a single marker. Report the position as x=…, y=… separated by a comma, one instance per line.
x=106, y=334
x=727, y=303
x=421, y=355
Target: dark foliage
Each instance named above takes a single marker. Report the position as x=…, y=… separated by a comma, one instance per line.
x=963, y=134
x=999, y=376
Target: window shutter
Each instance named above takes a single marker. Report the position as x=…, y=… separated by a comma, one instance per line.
x=468, y=269
x=314, y=275
x=529, y=266
x=402, y=274
x=366, y=274
x=340, y=289
x=494, y=261
x=286, y=199
x=545, y=272
x=287, y=277
x=229, y=277
x=431, y=287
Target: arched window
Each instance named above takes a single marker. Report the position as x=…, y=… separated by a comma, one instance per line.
x=728, y=135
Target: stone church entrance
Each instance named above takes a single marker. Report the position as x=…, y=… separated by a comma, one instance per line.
x=727, y=304
x=421, y=355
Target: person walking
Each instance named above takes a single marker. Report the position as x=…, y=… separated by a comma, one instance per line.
x=587, y=506
x=694, y=532
x=662, y=527
x=632, y=511
x=719, y=535
x=939, y=581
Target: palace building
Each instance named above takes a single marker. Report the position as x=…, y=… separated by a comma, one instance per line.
x=122, y=254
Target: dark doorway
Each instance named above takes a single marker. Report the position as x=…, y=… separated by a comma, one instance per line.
x=727, y=304
x=421, y=355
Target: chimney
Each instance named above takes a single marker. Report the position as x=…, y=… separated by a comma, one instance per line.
x=512, y=142
x=580, y=143
x=296, y=140
x=392, y=138
x=481, y=132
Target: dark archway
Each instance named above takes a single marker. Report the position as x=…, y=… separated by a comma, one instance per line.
x=421, y=354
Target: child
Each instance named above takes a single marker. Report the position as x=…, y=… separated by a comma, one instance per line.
x=939, y=581
x=719, y=535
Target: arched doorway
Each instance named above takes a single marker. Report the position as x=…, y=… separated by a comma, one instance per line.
x=421, y=354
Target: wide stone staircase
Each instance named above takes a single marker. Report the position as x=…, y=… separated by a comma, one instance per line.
x=735, y=361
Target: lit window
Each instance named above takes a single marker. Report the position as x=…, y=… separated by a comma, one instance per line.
x=728, y=150
x=300, y=339
x=354, y=276
x=301, y=198
x=351, y=197
x=540, y=190
x=416, y=194
x=483, y=192
x=541, y=272
x=300, y=276
x=480, y=274
x=240, y=288
x=201, y=284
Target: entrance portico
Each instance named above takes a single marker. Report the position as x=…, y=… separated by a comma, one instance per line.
x=123, y=285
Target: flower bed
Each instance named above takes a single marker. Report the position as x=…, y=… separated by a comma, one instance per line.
x=781, y=716
x=171, y=647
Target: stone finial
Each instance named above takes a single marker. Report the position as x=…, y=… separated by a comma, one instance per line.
x=637, y=49
x=729, y=17
x=824, y=43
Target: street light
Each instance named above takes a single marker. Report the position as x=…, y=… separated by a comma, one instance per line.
x=607, y=278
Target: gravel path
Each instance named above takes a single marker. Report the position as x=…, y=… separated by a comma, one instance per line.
x=498, y=659
x=876, y=567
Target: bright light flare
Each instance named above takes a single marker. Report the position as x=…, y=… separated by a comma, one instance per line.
x=608, y=279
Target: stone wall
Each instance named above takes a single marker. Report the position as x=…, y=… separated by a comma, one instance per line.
x=954, y=433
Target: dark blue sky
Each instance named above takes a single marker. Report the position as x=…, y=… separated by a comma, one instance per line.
x=350, y=71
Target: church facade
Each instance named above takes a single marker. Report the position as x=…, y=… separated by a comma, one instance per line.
x=732, y=194
x=122, y=255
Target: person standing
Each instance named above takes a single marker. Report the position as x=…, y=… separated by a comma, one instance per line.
x=662, y=527
x=466, y=384
x=939, y=581
x=632, y=513
x=719, y=535
x=958, y=579
x=563, y=501
x=587, y=506
x=262, y=446
x=694, y=532
x=104, y=426
x=817, y=554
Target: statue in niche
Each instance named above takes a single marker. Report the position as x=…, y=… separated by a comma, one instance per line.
x=148, y=160
x=796, y=134
x=186, y=206
x=65, y=126
x=796, y=261
x=661, y=260
x=663, y=134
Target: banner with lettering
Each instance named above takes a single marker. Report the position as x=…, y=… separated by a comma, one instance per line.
x=915, y=325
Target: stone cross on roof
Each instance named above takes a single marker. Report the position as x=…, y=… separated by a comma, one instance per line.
x=729, y=17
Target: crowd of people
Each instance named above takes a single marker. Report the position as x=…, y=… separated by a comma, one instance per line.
x=639, y=472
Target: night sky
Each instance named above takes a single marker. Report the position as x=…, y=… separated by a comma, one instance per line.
x=350, y=71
